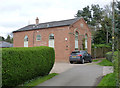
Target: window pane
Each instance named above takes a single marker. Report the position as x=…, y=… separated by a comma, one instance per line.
x=26, y=38
x=51, y=36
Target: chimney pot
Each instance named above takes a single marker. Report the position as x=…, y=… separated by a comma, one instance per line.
x=37, y=20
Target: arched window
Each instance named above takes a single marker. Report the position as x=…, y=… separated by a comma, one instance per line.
x=76, y=40
x=86, y=40
x=26, y=41
x=51, y=40
x=38, y=37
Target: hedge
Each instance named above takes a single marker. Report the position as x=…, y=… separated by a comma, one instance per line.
x=115, y=62
x=23, y=64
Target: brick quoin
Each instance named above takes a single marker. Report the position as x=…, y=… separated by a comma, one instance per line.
x=62, y=46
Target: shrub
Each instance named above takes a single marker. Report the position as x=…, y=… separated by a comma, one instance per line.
x=101, y=46
x=109, y=56
x=23, y=64
x=115, y=62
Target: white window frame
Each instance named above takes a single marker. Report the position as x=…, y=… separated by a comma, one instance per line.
x=38, y=38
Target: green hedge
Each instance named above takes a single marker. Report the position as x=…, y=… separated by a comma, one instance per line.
x=23, y=64
x=101, y=45
x=109, y=56
x=115, y=62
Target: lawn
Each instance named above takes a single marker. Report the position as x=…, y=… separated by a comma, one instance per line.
x=39, y=80
x=95, y=60
x=105, y=62
x=108, y=80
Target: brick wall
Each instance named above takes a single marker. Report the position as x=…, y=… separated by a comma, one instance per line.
x=63, y=47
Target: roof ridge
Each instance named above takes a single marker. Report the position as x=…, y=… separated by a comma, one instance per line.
x=59, y=21
x=52, y=24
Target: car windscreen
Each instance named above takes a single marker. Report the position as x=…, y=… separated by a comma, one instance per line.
x=78, y=52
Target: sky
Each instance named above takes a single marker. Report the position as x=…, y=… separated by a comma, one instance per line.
x=15, y=14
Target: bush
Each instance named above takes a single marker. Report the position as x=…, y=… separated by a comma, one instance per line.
x=109, y=56
x=100, y=46
x=108, y=81
x=23, y=64
x=115, y=62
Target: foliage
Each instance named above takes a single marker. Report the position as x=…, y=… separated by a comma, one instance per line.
x=109, y=55
x=101, y=18
x=22, y=64
x=9, y=39
x=91, y=19
x=39, y=80
x=105, y=62
x=115, y=62
x=108, y=81
x=85, y=13
x=95, y=60
x=101, y=45
x=2, y=38
x=97, y=15
x=99, y=37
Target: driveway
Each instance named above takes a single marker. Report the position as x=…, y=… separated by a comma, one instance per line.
x=88, y=74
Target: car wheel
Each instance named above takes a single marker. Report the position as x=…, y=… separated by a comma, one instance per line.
x=90, y=60
x=71, y=62
x=83, y=61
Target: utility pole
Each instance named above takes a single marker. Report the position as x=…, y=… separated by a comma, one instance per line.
x=113, y=28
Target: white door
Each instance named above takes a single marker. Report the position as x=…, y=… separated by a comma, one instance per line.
x=25, y=43
x=51, y=43
x=86, y=41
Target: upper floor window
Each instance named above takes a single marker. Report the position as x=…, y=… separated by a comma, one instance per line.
x=26, y=38
x=38, y=37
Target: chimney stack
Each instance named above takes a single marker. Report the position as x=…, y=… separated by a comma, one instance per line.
x=37, y=20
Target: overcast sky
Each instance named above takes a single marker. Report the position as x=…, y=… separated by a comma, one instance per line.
x=15, y=14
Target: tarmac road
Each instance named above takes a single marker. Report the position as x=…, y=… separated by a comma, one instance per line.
x=79, y=75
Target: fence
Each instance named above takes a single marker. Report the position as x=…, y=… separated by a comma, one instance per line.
x=99, y=52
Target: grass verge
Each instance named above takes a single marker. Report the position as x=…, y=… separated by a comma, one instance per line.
x=105, y=62
x=108, y=80
x=39, y=80
x=95, y=60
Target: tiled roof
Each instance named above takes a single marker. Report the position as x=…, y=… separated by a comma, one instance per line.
x=48, y=25
x=5, y=44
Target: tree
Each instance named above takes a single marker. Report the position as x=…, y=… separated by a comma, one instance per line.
x=99, y=37
x=85, y=13
x=97, y=15
x=9, y=39
x=2, y=38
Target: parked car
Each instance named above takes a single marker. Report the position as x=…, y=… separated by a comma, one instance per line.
x=80, y=57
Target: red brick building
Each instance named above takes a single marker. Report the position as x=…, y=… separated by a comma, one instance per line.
x=64, y=36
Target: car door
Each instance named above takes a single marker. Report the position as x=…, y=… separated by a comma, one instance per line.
x=89, y=57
